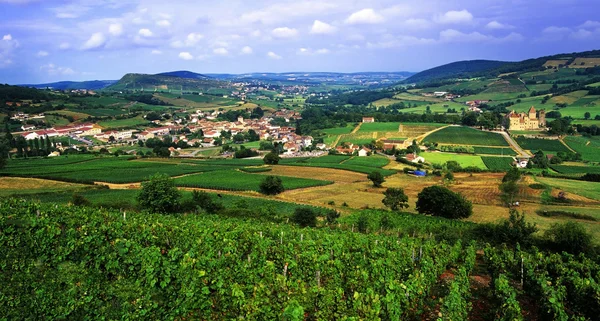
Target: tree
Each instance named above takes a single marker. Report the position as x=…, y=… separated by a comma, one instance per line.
x=587, y=115
x=4, y=150
x=449, y=176
x=512, y=175
x=331, y=216
x=159, y=194
x=205, y=202
x=509, y=190
x=440, y=201
x=395, y=199
x=377, y=178
x=570, y=236
x=304, y=217
x=271, y=159
x=271, y=185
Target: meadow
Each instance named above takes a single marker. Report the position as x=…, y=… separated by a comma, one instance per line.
x=567, y=169
x=123, y=123
x=466, y=136
x=545, y=145
x=588, y=189
x=588, y=148
x=462, y=159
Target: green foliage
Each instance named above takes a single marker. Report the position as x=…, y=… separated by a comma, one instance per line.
x=159, y=195
x=512, y=175
x=331, y=216
x=440, y=201
x=497, y=163
x=546, y=145
x=271, y=159
x=509, y=190
x=205, y=201
x=293, y=312
x=514, y=230
x=395, y=199
x=377, y=178
x=305, y=217
x=271, y=185
x=570, y=237
x=79, y=200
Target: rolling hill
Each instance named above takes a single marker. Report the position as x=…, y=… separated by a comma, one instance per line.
x=184, y=74
x=73, y=85
x=172, y=80
x=459, y=69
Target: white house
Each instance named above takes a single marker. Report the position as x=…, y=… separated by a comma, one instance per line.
x=363, y=152
x=414, y=158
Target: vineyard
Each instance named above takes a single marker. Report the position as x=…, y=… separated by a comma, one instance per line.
x=494, y=151
x=466, y=136
x=74, y=263
x=498, y=163
x=546, y=145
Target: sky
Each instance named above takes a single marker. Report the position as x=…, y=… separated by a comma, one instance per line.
x=52, y=40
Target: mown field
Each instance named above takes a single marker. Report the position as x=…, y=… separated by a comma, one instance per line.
x=466, y=136
x=462, y=159
x=545, y=145
x=588, y=189
x=379, y=127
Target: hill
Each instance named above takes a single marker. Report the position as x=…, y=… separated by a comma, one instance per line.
x=178, y=80
x=459, y=69
x=184, y=74
x=73, y=85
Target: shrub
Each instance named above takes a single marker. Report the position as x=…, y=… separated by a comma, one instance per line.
x=159, y=194
x=363, y=223
x=515, y=229
x=537, y=186
x=304, y=217
x=377, y=178
x=569, y=237
x=206, y=202
x=331, y=216
x=271, y=159
x=512, y=175
x=440, y=201
x=80, y=200
x=271, y=185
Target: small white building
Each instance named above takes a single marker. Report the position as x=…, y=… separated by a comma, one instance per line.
x=364, y=152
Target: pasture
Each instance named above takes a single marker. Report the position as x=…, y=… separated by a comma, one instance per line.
x=338, y=130
x=545, y=145
x=466, y=136
x=123, y=123
x=462, y=159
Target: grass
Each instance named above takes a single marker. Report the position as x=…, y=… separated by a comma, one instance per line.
x=498, y=163
x=494, y=151
x=371, y=161
x=566, y=169
x=586, y=189
x=122, y=123
x=338, y=130
x=232, y=180
x=379, y=127
x=546, y=145
x=466, y=136
x=463, y=160
x=588, y=148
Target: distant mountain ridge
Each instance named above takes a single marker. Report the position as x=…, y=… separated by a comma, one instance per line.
x=185, y=80
x=456, y=69
x=184, y=74
x=73, y=85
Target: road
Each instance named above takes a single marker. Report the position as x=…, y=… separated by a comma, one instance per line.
x=513, y=144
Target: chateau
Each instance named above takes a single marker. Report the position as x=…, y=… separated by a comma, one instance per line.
x=526, y=121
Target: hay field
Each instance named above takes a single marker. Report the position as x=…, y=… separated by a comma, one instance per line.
x=587, y=63
x=18, y=185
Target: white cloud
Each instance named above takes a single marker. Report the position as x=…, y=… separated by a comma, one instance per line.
x=590, y=24
x=322, y=28
x=497, y=25
x=95, y=41
x=395, y=41
x=285, y=12
x=581, y=34
x=191, y=40
x=322, y=51
x=303, y=51
x=163, y=23
x=64, y=45
x=453, y=16
x=42, y=53
x=115, y=29
x=247, y=50
x=220, y=51
x=310, y=52
x=284, y=32
x=255, y=33
x=365, y=16
x=156, y=52
x=186, y=55
x=54, y=70
x=145, y=32
x=417, y=23
x=555, y=30
x=7, y=37
x=273, y=55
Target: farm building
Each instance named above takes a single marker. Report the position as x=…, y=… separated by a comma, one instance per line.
x=368, y=120
x=414, y=158
x=364, y=152
x=526, y=121
x=521, y=162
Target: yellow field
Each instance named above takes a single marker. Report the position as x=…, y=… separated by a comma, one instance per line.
x=18, y=185
x=569, y=98
x=385, y=102
x=587, y=63
x=327, y=174
x=555, y=63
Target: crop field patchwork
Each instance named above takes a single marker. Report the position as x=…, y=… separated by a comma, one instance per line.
x=587, y=189
x=498, y=163
x=466, y=136
x=546, y=145
x=588, y=148
x=462, y=159
x=379, y=127
x=494, y=151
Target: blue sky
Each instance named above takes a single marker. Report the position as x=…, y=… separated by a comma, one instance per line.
x=48, y=40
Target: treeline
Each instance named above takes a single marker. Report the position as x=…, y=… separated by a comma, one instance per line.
x=351, y=98
x=148, y=99
x=10, y=93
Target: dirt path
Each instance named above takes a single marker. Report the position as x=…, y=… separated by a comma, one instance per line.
x=356, y=129
x=560, y=139
x=337, y=140
x=513, y=144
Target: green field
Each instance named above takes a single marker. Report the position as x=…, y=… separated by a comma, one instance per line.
x=546, y=145
x=466, y=136
x=498, y=163
x=338, y=130
x=566, y=169
x=587, y=189
x=588, y=148
x=462, y=159
x=123, y=123
x=233, y=180
x=494, y=151
x=379, y=127
x=371, y=161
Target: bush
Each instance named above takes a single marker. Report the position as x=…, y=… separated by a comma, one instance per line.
x=80, y=200
x=377, y=178
x=271, y=185
x=304, y=217
x=331, y=216
x=569, y=237
x=515, y=229
x=440, y=201
x=205, y=201
x=271, y=159
x=363, y=223
x=512, y=175
x=159, y=194
x=537, y=186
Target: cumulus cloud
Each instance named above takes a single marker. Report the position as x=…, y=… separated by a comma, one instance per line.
x=273, y=55
x=322, y=28
x=590, y=24
x=462, y=16
x=191, y=40
x=555, y=30
x=7, y=47
x=309, y=52
x=395, y=41
x=365, y=16
x=42, y=53
x=145, y=32
x=115, y=29
x=417, y=23
x=451, y=35
x=247, y=50
x=186, y=55
x=284, y=32
x=220, y=51
x=284, y=12
x=7, y=37
x=95, y=41
x=156, y=52
x=163, y=23
x=497, y=25
x=54, y=70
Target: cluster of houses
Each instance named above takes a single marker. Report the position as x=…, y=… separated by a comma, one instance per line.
x=79, y=130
